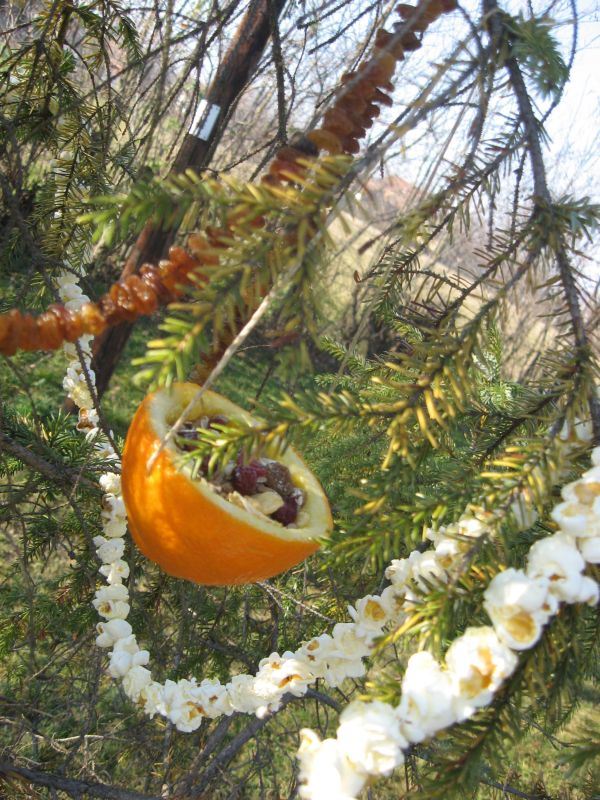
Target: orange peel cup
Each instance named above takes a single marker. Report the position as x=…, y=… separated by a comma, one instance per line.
x=188, y=529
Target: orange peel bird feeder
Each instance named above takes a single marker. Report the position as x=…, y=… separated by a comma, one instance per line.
x=253, y=521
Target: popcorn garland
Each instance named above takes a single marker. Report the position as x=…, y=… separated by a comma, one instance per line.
x=371, y=736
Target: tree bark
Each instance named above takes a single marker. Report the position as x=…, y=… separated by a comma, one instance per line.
x=195, y=152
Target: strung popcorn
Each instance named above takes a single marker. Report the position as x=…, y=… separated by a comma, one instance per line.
x=70, y=291
x=111, y=631
x=557, y=559
x=150, y=697
x=466, y=528
x=113, y=507
x=369, y=736
x=578, y=433
x=105, y=452
x=122, y=661
x=337, y=670
x=427, y=693
x=369, y=615
x=336, y=658
x=77, y=389
x=478, y=663
x=111, y=601
x=213, y=699
x=179, y=702
x=325, y=771
x=523, y=510
x=340, y=656
x=419, y=571
x=242, y=694
x=109, y=550
x=427, y=570
x=84, y=343
x=579, y=515
x=115, y=572
x=586, y=490
x=110, y=483
x=128, y=645
x=278, y=675
x=449, y=552
x=590, y=549
x=451, y=543
x=188, y=716
x=577, y=519
x=519, y=607
x=394, y=601
x=135, y=680
x=88, y=423
x=399, y=572
x=316, y=652
x=469, y=527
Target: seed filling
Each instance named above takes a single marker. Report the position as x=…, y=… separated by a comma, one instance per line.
x=263, y=486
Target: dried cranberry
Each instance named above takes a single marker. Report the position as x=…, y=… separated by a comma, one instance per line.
x=245, y=477
x=288, y=512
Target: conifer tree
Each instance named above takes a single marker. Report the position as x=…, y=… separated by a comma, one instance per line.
x=439, y=452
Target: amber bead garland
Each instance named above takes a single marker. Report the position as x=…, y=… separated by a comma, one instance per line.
x=357, y=104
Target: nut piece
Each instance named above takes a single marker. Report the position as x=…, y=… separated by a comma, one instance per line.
x=267, y=502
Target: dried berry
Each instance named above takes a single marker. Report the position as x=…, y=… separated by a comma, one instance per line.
x=28, y=333
x=291, y=154
x=410, y=41
x=279, y=478
x=350, y=145
x=405, y=10
x=92, y=318
x=245, y=478
x=143, y=297
x=305, y=146
x=288, y=513
x=448, y=5
x=382, y=97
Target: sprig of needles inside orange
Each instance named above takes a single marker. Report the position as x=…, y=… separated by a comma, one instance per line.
x=251, y=520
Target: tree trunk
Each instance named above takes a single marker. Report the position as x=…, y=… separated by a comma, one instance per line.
x=195, y=153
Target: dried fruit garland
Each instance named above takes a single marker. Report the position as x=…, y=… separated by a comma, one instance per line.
x=344, y=124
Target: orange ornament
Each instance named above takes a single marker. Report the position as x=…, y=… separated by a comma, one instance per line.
x=188, y=529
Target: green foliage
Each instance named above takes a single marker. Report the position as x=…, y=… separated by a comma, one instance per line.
x=256, y=259
x=61, y=129
x=537, y=51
